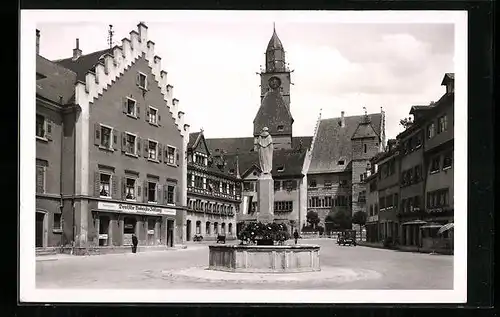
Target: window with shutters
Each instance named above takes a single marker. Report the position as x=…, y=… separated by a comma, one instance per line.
x=130, y=143
x=142, y=80
x=40, y=178
x=153, y=150
x=170, y=194
x=170, y=155
x=152, y=192
x=105, y=185
x=130, y=189
x=152, y=115
x=131, y=107
x=106, y=137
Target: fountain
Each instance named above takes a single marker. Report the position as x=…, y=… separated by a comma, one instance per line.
x=265, y=256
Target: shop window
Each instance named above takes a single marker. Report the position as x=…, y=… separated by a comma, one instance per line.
x=435, y=164
x=447, y=160
x=57, y=224
x=129, y=225
x=153, y=150
x=170, y=155
x=152, y=192
x=105, y=185
x=442, y=124
x=130, y=188
x=170, y=194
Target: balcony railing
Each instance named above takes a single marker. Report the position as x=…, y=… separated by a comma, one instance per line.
x=213, y=193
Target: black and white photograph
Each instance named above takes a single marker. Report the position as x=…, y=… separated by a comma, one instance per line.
x=216, y=156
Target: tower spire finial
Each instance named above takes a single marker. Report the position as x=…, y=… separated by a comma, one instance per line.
x=274, y=26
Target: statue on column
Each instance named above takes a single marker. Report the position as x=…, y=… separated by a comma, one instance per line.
x=265, y=147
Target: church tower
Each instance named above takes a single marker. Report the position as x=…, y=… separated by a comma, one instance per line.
x=274, y=112
x=275, y=67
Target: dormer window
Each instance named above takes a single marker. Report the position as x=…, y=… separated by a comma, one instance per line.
x=281, y=169
x=281, y=128
x=341, y=162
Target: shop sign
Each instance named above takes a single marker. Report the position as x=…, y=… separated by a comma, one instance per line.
x=103, y=236
x=135, y=209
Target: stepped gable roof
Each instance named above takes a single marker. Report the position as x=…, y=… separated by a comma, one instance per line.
x=290, y=160
x=84, y=63
x=54, y=82
x=246, y=144
x=273, y=111
x=333, y=143
x=364, y=130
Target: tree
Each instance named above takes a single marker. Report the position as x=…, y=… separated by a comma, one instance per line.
x=359, y=218
x=341, y=219
x=313, y=218
x=406, y=122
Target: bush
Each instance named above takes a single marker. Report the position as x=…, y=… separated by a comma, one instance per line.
x=255, y=231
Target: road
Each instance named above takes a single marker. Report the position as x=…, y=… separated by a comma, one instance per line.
x=396, y=270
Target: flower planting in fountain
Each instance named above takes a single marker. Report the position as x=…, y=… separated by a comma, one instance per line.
x=263, y=233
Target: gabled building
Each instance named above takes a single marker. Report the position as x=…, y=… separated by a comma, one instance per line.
x=340, y=154
x=213, y=192
x=111, y=133
x=290, y=152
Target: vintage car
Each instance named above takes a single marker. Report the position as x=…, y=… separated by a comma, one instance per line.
x=198, y=237
x=347, y=237
x=221, y=238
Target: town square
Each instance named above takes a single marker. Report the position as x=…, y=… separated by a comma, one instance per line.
x=168, y=159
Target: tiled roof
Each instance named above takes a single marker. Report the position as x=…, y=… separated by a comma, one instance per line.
x=273, y=112
x=333, y=142
x=193, y=137
x=364, y=130
x=290, y=160
x=57, y=83
x=84, y=63
x=245, y=144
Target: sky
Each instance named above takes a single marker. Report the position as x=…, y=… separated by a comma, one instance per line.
x=337, y=67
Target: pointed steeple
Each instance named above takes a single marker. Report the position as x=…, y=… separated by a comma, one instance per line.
x=275, y=54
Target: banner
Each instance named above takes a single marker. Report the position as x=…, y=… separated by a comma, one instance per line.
x=135, y=209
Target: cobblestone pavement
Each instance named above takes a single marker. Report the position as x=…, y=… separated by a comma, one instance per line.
x=394, y=270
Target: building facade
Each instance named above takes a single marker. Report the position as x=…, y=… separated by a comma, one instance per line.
x=123, y=165
x=213, y=194
x=340, y=154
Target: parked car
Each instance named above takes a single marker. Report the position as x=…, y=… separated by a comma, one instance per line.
x=347, y=237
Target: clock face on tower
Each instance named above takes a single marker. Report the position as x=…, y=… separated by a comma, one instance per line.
x=274, y=82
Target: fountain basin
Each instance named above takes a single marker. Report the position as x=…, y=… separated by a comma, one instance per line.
x=264, y=259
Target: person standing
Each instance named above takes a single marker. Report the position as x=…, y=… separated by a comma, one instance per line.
x=134, y=243
x=296, y=236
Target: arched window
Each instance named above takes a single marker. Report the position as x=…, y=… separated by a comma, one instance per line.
x=230, y=229
x=207, y=227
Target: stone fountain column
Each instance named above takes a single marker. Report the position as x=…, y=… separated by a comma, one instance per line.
x=265, y=200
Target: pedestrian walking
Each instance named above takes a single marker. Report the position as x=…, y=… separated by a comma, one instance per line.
x=296, y=236
x=134, y=243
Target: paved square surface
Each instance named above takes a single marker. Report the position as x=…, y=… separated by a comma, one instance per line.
x=184, y=268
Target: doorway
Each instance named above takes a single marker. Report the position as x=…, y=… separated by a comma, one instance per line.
x=39, y=229
x=151, y=231
x=103, y=230
x=129, y=226
x=188, y=230
x=170, y=233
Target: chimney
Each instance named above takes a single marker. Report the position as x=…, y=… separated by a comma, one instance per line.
x=77, y=52
x=37, y=42
x=342, y=120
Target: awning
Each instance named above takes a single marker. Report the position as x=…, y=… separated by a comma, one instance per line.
x=431, y=226
x=446, y=227
x=415, y=222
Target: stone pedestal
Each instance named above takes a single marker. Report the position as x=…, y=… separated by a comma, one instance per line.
x=265, y=200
